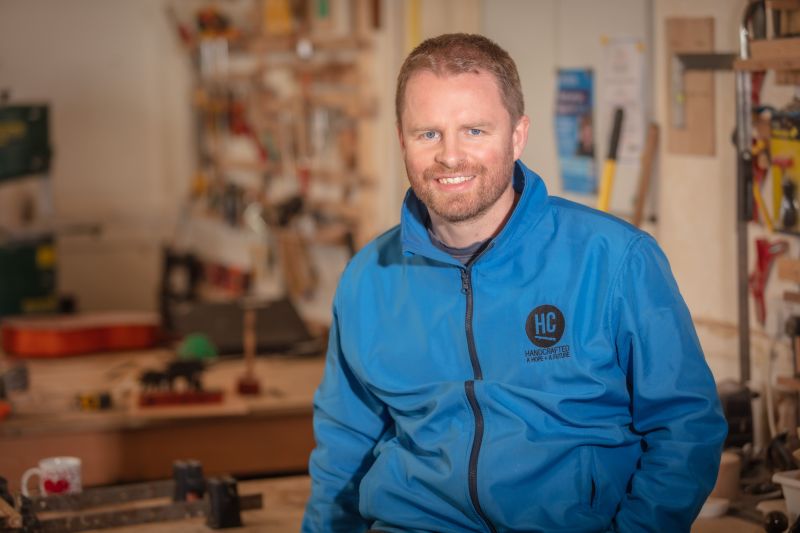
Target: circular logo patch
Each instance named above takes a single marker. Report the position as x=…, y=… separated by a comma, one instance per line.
x=545, y=326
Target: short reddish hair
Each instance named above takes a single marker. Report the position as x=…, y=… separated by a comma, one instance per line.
x=457, y=53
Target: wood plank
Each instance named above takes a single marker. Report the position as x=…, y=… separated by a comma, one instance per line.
x=791, y=296
x=783, y=4
x=775, y=48
x=698, y=137
x=789, y=382
x=789, y=63
x=787, y=77
x=788, y=269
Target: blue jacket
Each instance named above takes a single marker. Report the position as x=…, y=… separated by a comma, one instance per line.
x=556, y=384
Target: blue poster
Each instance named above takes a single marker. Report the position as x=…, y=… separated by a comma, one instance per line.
x=575, y=130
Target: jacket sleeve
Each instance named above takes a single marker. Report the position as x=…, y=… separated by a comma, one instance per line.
x=674, y=403
x=348, y=420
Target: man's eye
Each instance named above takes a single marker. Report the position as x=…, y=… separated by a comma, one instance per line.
x=475, y=131
x=430, y=135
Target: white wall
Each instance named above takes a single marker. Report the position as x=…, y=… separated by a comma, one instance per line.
x=545, y=35
x=696, y=195
x=117, y=85
x=697, y=203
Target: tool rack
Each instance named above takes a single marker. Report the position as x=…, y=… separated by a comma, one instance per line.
x=755, y=55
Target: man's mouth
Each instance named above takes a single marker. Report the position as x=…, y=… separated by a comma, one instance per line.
x=454, y=180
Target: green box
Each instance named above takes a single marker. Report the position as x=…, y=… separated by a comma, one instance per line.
x=24, y=141
x=28, y=276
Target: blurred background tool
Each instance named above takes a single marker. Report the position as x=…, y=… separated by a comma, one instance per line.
x=610, y=165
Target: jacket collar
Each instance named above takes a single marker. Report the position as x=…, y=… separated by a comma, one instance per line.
x=527, y=213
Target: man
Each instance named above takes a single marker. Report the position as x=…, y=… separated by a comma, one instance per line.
x=505, y=360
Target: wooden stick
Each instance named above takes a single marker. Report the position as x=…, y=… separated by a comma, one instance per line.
x=796, y=356
x=645, y=173
x=13, y=519
x=249, y=342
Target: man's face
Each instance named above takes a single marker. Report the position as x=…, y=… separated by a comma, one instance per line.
x=459, y=145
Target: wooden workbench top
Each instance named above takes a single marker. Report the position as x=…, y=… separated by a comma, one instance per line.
x=284, y=501
x=288, y=385
x=269, y=433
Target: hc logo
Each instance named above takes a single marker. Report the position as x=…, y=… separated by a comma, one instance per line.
x=545, y=326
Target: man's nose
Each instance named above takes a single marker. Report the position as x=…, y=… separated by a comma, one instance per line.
x=450, y=153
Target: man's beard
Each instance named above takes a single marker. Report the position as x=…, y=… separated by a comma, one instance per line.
x=471, y=204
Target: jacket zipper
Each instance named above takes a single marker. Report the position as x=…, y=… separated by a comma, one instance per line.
x=469, y=389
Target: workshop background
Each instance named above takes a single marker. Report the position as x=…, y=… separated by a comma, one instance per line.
x=206, y=159
x=118, y=84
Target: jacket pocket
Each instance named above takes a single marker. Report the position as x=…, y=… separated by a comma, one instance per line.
x=588, y=477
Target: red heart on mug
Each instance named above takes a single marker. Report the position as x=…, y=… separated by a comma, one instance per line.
x=56, y=487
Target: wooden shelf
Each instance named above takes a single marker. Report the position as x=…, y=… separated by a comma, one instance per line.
x=789, y=382
x=783, y=4
x=772, y=54
x=767, y=64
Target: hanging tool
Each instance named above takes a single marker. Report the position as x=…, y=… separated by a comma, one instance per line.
x=788, y=210
x=414, y=24
x=760, y=160
x=766, y=252
x=761, y=207
x=645, y=173
x=610, y=165
x=248, y=383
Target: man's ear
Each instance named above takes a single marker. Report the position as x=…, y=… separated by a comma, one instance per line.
x=519, y=136
x=400, y=137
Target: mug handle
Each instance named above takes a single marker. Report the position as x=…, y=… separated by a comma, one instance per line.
x=35, y=471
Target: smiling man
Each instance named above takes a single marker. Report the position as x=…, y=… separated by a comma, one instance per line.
x=505, y=360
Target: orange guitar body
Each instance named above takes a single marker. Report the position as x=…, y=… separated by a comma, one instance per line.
x=64, y=335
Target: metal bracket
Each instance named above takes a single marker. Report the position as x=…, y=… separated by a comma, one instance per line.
x=695, y=61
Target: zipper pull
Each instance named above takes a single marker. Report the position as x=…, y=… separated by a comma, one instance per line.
x=465, y=281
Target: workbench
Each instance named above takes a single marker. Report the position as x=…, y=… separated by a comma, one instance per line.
x=266, y=434
x=284, y=500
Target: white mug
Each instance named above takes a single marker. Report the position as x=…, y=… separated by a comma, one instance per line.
x=57, y=475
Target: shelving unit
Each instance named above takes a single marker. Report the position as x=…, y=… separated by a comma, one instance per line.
x=781, y=55
x=284, y=114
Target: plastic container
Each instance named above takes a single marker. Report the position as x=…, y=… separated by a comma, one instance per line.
x=790, y=481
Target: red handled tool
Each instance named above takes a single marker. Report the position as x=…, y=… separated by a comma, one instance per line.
x=766, y=252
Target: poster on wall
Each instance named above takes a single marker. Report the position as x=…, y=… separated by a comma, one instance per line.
x=622, y=82
x=575, y=130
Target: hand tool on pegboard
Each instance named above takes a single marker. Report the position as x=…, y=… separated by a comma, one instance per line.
x=610, y=165
x=761, y=157
x=766, y=252
x=645, y=173
x=788, y=204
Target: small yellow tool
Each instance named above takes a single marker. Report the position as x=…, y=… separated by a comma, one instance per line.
x=762, y=207
x=610, y=165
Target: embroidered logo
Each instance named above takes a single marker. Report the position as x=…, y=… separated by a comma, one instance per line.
x=545, y=326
